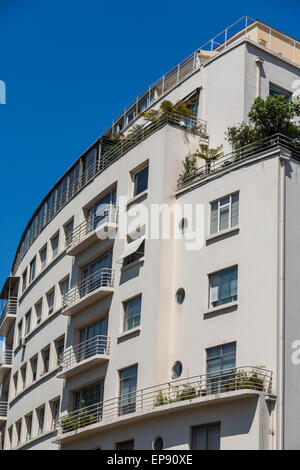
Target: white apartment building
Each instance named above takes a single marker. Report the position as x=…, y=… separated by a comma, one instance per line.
x=143, y=343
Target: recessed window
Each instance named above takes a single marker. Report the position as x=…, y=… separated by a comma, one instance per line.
x=132, y=313
x=33, y=365
x=41, y=420
x=55, y=245
x=128, y=384
x=183, y=224
x=220, y=362
x=59, y=347
x=50, y=301
x=28, y=422
x=89, y=395
x=32, y=270
x=125, y=445
x=64, y=287
x=55, y=405
x=134, y=251
x=223, y=287
x=274, y=90
x=224, y=213
x=140, y=181
x=176, y=370
x=38, y=311
x=43, y=257
x=158, y=443
x=180, y=296
x=46, y=360
x=24, y=280
x=27, y=323
x=68, y=229
x=206, y=437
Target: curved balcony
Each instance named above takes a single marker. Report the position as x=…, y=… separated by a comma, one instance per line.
x=83, y=356
x=5, y=363
x=98, y=227
x=201, y=390
x=3, y=412
x=95, y=287
x=8, y=315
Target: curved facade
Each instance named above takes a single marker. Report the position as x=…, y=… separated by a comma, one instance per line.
x=98, y=351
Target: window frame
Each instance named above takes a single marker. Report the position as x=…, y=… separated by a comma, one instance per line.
x=219, y=209
x=210, y=287
x=125, y=313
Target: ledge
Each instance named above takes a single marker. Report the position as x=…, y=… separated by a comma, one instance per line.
x=133, y=264
x=221, y=234
x=34, y=439
x=133, y=331
x=222, y=308
x=137, y=198
x=32, y=385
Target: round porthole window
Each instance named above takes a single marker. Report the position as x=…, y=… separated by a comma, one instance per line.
x=158, y=443
x=176, y=370
x=183, y=225
x=180, y=296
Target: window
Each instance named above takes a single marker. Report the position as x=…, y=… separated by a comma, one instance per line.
x=125, y=445
x=18, y=431
x=43, y=257
x=140, y=181
x=20, y=332
x=46, y=360
x=88, y=396
x=176, y=370
x=132, y=313
x=180, y=296
x=23, y=376
x=33, y=365
x=15, y=382
x=128, y=383
x=32, y=270
x=28, y=422
x=24, y=280
x=223, y=287
x=50, y=301
x=134, y=251
x=224, y=213
x=99, y=212
x=206, y=437
x=38, y=311
x=68, y=228
x=220, y=360
x=59, y=347
x=41, y=420
x=55, y=245
x=55, y=405
x=27, y=323
x=64, y=287
x=158, y=443
x=274, y=90
x=10, y=431
x=96, y=274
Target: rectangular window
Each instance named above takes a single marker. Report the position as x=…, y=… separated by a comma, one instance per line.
x=55, y=245
x=220, y=361
x=15, y=381
x=223, y=287
x=88, y=396
x=33, y=365
x=206, y=437
x=41, y=420
x=32, y=270
x=27, y=323
x=43, y=257
x=132, y=313
x=18, y=431
x=20, y=332
x=68, y=229
x=24, y=280
x=140, y=181
x=59, y=347
x=46, y=360
x=224, y=213
x=128, y=384
x=55, y=411
x=274, y=90
x=28, y=422
x=136, y=250
x=38, y=311
x=50, y=301
x=64, y=287
x=23, y=376
x=125, y=445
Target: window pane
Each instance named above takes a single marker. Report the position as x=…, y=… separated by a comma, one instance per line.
x=224, y=217
x=234, y=209
x=141, y=181
x=132, y=313
x=214, y=218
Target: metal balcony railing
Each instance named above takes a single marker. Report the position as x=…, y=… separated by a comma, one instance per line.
x=108, y=213
x=6, y=357
x=87, y=349
x=102, y=278
x=3, y=409
x=277, y=141
x=148, y=399
x=9, y=309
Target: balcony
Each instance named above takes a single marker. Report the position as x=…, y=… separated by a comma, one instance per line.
x=8, y=315
x=5, y=363
x=3, y=412
x=90, y=353
x=95, y=287
x=177, y=395
x=100, y=226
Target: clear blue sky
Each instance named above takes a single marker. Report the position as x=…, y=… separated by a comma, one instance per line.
x=71, y=66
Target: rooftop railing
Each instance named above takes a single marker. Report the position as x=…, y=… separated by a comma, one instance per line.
x=102, y=278
x=3, y=409
x=107, y=213
x=6, y=357
x=229, y=160
x=177, y=391
x=10, y=308
x=87, y=349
